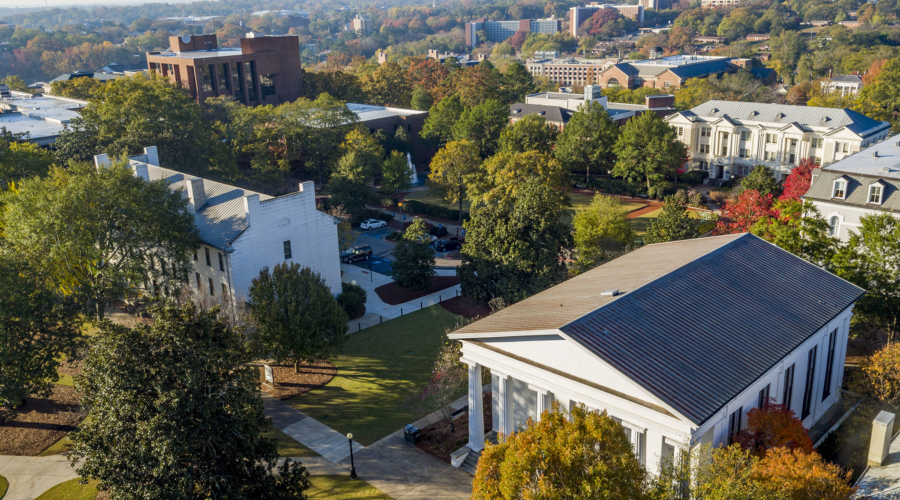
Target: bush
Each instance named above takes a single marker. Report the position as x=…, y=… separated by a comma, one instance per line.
x=437, y=231
x=720, y=196
x=353, y=299
x=693, y=177
x=619, y=186
x=394, y=236
x=438, y=211
x=661, y=190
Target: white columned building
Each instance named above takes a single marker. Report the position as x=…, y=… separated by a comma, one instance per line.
x=639, y=339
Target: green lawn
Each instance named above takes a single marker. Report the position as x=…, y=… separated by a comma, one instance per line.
x=342, y=487
x=288, y=446
x=379, y=368
x=580, y=201
x=432, y=197
x=71, y=490
x=4, y=485
x=641, y=223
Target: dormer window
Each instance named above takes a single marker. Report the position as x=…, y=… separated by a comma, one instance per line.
x=840, y=189
x=875, y=193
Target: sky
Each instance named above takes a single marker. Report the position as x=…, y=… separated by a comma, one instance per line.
x=66, y=3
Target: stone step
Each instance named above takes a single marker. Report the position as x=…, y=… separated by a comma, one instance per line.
x=471, y=462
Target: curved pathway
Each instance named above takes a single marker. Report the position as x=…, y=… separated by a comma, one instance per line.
x=30, y=476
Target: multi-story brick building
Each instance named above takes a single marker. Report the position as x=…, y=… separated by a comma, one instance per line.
x=498, y=31
x=578, y=15
x=242, y=231
x=730, y=138
x=663, y=73
x=569, y=71
x=264, y=70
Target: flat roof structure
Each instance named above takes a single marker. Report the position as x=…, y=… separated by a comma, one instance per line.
x=369, y=112
x=42, y=117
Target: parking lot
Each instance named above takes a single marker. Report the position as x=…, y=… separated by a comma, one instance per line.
x=381, y=258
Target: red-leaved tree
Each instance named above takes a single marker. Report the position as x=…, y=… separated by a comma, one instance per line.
x=600, y=19
x=517, y=39
x=798, y=181
x=742, y=214
x=773, y=426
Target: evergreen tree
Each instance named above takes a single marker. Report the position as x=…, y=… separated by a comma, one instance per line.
x=648, y=150
x=586, y=143
x=673, y=224
x=413, y=265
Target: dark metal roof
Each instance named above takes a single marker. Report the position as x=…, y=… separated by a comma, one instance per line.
x=699, y=335
x=553, y=114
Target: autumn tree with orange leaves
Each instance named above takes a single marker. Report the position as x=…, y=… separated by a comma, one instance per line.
x=773, y=426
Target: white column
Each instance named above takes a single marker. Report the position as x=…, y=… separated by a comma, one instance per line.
x=543, y=401
x=476, y=408
x=503, y=402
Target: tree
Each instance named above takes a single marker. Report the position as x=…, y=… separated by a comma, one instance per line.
x=315, y=129
x=413, y=265
x=513, y=250
x=531, y=133
x=796, y=475
x=297, y=316
x=395, y=173
x=20, y=160
x=388, y=85
x=77, y=88
x=350, y=184
x=441, y=118
x=799, y=180
x=600, y=19
x=478, y=84
x=761, y=180
x=741, y=215
x=882, y=373
x=448, y=377
x=694, y=92
x=799, y=228
x=102, y=232
x=580, y=456
x=366, y=147
x=723, y=473
x=600, y=231
x=421, y=99
x=871, y=260
x=648, y=150
x=587, y=141
x=773, y=426
x=673, y=224
x=453, y=169
x=506, y=174
x=37, y=328
x=129, y=114
x=516, y=83
x=187, y=424
x=482, y=125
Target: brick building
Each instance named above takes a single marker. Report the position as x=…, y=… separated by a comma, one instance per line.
x=388, y=120
x=568, y=71
x=264, y=70
x=663, y=73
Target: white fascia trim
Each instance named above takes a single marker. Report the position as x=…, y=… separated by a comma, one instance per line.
x=495, y=335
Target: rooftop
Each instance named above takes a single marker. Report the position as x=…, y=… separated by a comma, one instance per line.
x=806, y=116
x=682, y=60
x=886, y=164
x=201, y=54
x=846, y=79
x=883, y=480
x=657, y=333
x=573, y=62
x=43, y=117
x=368, y=112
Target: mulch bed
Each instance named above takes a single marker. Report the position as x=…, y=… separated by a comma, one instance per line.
x=41, y=423
x=393, y=294
x=289, y=384
x=438, y=441
x=466, y=307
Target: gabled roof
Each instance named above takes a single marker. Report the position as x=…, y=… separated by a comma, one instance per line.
x=783, y=113
x=222, y=219
x=703, y=69
x=860, y=170
x=556, y=114
x=846, y=79
x=698, y=320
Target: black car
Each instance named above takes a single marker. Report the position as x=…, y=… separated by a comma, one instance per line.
x=446, y=245
x=362, y=252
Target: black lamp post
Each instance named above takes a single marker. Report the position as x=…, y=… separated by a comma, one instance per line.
x=352, y=466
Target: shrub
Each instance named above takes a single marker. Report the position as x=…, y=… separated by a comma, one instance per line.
x=720, y=196
x=693, y=177
x=661, y=190
x=438, y=231
x=394, y=236
x=438, y=211
x=353, y=299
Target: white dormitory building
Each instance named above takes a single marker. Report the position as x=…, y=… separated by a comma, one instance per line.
x=729, y=138
x=846, y=85
x=632, y=338
x=243, y=231
x=865, y=183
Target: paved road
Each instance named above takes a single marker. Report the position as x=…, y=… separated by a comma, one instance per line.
x=30, y=476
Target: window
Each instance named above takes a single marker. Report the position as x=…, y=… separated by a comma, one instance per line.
x=205, y=79
x=724, y=150
x=770, y=138
x=250, y=77
x=224, y=290
x=612, y=82
x=839, y=189
x=195, y=254
x=763, y=396
x=169, y=69
x=267, y=85
x=810, y=382
x=742, y=153
x=704, y=148
x=792, y=158
x=212, y=289
x=734, y=424
x=287, y=249
x=198, y=281
x=793, y=143
x=667, y=84
x=826, y=390
x=238, y=86
x=222, y=77
x=704, y=165
x=845, y=147
x=705, y=132
x=221, y=262
x=817, y=160
x=680, y=131
x=771, y=155
x=208, y=261
x=745, y=135
x=875, y=193
x=833, y=225
x=815, y=143
x=788, y=387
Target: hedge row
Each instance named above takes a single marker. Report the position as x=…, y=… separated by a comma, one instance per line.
x=417, y=207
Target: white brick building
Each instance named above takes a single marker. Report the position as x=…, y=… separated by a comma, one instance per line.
x=730, y=138
x=243, y=231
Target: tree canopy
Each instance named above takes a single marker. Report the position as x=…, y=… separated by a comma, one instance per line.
x=647, y=150
x=587, y=141
x=413, y=265
x=601, y=230
x=531, y=133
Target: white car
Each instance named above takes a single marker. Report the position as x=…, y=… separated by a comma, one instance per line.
x=372, y=224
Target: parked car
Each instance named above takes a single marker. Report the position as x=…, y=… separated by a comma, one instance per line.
x=372, y=224
x=446, y=245
x=361, y=252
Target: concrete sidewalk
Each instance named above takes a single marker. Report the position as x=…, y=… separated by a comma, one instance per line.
x=308, y=431
x=29, y=477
